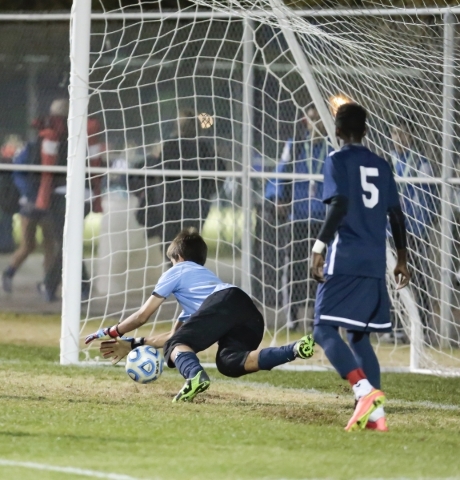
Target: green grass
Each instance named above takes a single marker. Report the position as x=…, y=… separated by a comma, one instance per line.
x=270, y=425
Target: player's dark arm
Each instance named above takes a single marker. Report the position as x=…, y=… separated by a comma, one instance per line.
x=338, y=207
x=398, y=229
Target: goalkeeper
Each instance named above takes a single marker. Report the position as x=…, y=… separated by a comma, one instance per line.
x=213, y=311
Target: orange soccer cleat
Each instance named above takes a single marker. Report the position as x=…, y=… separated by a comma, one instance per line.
x=379, y=425
x=365, y=406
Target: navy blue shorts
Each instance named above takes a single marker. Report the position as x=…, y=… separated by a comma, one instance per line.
x=354, y=303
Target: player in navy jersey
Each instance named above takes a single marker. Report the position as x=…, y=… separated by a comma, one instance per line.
x=361, y=193
x=213, y=311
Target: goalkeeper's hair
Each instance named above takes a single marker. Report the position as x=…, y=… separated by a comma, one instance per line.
x=351, y=119
x=189, y=245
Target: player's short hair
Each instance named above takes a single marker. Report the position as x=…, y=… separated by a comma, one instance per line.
x=189, y=245
x=351, y=119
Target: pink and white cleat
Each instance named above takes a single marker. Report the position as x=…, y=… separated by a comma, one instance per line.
x=365, y=406
x=379, y=425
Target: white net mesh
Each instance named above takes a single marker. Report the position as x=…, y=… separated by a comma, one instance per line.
x=211, y=105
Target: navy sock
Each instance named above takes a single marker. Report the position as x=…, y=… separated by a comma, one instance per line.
x=360, y=343
x=274, y=356
x=336, y=350
x=10, y=271
x=188, y=364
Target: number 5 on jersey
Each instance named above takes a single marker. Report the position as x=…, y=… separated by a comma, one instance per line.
x=369, y=187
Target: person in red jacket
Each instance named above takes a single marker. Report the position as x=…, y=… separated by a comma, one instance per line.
x=53, y=189
x=34, y=212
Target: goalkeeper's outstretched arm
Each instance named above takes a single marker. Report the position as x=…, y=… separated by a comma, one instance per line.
x=131, y=323
x=117, y=349
x=137, y=319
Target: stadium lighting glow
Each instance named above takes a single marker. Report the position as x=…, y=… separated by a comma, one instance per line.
x=206, y=120
x=336, y=101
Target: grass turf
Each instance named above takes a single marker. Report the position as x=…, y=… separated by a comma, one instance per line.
x=270, y=425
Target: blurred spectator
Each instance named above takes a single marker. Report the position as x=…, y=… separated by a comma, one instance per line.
x=31, y=215
x=419, y=205
x=51, y=191
x=96, y=149
x=299, y=207
x=9, y=198
x=57, y=131
x=169, y=204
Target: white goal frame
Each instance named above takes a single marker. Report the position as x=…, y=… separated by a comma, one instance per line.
x=73, y=248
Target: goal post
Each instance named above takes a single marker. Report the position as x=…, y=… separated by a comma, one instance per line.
x=448, y=147
x=249, y=73
x=80, y=29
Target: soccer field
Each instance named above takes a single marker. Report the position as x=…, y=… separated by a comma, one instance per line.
x=94, y=422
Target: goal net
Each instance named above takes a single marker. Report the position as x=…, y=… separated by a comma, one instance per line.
x=221, y=119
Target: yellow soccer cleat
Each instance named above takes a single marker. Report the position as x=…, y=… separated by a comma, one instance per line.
x=192, y=387
x=304, y=348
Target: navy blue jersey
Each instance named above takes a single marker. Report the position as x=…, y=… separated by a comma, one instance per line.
x=359, y=247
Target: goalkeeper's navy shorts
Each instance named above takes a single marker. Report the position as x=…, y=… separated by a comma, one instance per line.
x=354, y=303
x=228, y=317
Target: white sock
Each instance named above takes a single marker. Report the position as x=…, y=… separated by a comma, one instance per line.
x=377, y=414
x=361, y=388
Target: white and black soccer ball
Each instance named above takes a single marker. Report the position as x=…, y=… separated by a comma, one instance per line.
x=144, y=364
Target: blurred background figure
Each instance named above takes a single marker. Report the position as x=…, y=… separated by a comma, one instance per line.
x=42, y=197
x=57, y=201
x=419, y=205
x=9, y=197
x=169, y=204
x=31, y=215
x=52, y=189
x=299, y=211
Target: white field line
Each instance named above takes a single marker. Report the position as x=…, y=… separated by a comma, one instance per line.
x=396, y=401
x=115, y=476
x=69, y=470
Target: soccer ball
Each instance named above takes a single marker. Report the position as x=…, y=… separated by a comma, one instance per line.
x=144, y=364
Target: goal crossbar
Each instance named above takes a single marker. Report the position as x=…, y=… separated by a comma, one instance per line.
x=161, y=172
x=206, y=14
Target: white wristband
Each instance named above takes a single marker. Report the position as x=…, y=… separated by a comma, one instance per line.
x=318, y=247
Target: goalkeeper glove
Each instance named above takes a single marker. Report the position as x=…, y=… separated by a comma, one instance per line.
x=118, y=349
x=103, y=332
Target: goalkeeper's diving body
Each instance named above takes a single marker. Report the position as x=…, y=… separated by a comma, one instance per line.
x=361, y=192
x=213, y=311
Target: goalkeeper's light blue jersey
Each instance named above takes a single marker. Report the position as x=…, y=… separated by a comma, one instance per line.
x=359, y=247
x=191, y=284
